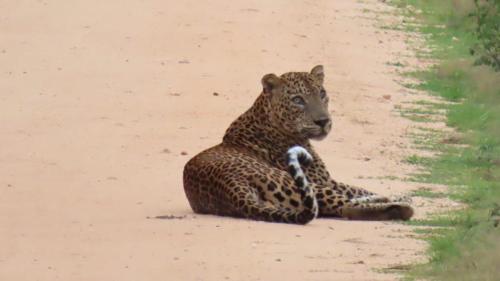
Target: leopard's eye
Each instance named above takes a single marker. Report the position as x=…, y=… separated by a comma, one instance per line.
x=322, y=93
x=298, y=100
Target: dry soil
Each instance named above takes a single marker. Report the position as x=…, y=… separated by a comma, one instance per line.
x=103, y=102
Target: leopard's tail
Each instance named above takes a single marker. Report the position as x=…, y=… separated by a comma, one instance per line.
x=295, y=157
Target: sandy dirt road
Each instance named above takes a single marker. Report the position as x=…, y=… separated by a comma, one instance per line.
x=101, y=100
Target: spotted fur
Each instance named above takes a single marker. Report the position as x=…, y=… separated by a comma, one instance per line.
x=266, y=169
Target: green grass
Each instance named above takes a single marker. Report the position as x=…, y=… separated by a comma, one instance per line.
x=464, y=244
x=422, y=113
x=428, y=193
x=417, y=160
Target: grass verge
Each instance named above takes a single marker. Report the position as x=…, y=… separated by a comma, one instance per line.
x=463, y=244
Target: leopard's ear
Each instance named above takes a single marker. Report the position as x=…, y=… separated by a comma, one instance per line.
x=318, y=73
x=270, y=83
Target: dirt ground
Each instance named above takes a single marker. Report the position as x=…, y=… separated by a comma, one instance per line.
x=103, y=102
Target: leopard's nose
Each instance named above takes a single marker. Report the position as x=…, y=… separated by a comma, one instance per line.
x=322, y=122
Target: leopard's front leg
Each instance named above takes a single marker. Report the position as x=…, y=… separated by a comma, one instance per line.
x=341, y=200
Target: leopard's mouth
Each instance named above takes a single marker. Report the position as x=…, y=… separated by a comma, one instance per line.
x=320, y=136
x=316, y=132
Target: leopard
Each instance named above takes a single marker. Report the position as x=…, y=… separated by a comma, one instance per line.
x=266, y=168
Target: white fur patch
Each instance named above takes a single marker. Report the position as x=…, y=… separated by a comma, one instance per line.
x=315, y=207
x=368, y=199
x=295, y=151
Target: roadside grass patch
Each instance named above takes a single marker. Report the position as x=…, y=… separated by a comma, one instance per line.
x=428, y=193
x=464, y=244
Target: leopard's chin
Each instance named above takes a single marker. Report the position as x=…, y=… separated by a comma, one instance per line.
x=316, y=133
x=320, y=136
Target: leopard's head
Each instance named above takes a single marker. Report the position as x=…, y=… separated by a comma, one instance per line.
x=299, y=103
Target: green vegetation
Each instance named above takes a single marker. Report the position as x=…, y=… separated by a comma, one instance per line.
x=464, y=36
x=487, y=16
x=428, y=193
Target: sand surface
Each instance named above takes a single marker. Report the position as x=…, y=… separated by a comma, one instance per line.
x=103, y=102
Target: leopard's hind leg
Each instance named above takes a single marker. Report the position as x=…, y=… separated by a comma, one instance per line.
x=377, y=211
x=358, y=204
x=300, y=211
x=250, y=188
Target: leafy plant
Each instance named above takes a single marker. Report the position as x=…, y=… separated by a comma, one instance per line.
x=487, y=17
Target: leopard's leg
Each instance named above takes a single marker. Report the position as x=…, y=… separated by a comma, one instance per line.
x=362, y=195
x=359, y=204
x=275, y=195
x=341, y=200
x=334, y=194
x=377, y=211
x=252, y=207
